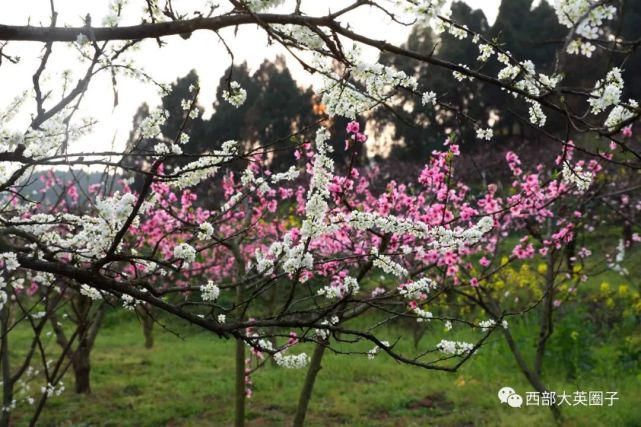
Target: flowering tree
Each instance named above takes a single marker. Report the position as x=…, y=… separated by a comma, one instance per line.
x=278, y=259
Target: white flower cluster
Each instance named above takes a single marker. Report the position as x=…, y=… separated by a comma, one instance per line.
x=236, y=95
x=607, y=92
x=617, y=264
x=373, y=352
x=185, y=252
x=291, y=174
x=428, y=98
x=456, y=348
x=316, y=206
x=458, y=32
x=460, y=76
x=587, y=17
x=115, y=210
x=249, y=180
x=10, y=260
x=265, y=265
x=486, y=134
x=447, y=239
x=301, y=35
x=441, y=238
x=187, y=105
x=349, y=286
x=90, y=292
x=323, y=333
x=430, y=11
x=387, y=224
x=414, y=290
x=488, y=324
x=388, y=265
x=293, y=361
x=422, y=315
x=128, y=302
x=620, y=114
x=262, y=5
x=537, y=116
x=209, y=292
x=206, y=231
x=577, y=176
x=150, y=126
x=296, y=258
x=378, y=80
x=51, y=390
x=341, y=100
x=205, y=167
x=293, y=257
x=486, y=51
x=50, y=137
x=90, y=236
x=583, y=47
x=531, y=83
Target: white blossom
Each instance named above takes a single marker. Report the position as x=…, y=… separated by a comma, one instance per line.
x=209, y=292
x=486, y=51
x=236, y=95
x=90, y=292
x=374, y=351
x=607, y=92
x=486, y=134
x=456, y=348
x=206, y=231
x=297, y=361
x=582, y=179
x=128, y=302
x=349, y=286
x=205, y=167
x=429, y=98
x=10, y=260
x=414, y=290
x=185, y=252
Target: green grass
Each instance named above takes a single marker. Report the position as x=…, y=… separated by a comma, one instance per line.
x=188, y=381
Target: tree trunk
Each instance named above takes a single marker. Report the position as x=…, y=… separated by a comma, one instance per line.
x=308, y=386
x=7, y=384
x=239, y=410
x=82, y=367
x=239, y=418
x=532, y=377
x=147, y=322
x=545, y=329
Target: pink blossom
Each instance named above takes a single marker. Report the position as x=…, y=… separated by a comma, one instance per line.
x=627, y=131
x=353, y=127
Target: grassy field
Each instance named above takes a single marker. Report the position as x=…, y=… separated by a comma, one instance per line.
x=188, y=381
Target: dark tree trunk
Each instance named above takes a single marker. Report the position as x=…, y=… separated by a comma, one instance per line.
x=533, y=378
x=547, y=310
x=308, y=386
x=147, y=321
x=7, y=384
x=81, y=371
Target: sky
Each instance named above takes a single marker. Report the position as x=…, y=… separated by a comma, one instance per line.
x=202, y=52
